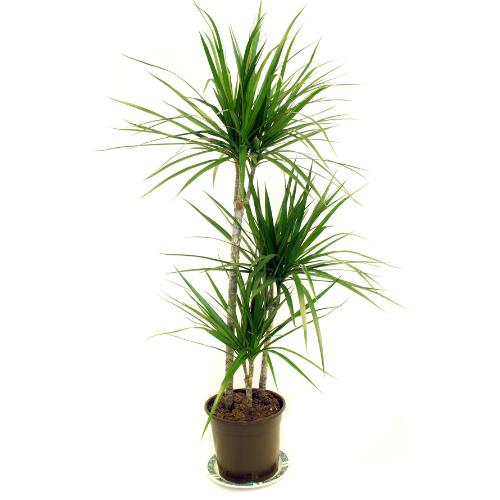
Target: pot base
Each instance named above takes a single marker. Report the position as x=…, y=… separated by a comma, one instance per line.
x=213, y=472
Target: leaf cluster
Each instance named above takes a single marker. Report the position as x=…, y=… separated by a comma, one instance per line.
x=258, y=112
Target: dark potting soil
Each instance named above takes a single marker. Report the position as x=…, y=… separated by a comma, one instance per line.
x=262, y=407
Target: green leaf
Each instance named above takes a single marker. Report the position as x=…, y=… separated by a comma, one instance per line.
x=293, y=365
x=304, y=358
x=215, y=224
x=271, y=367
x=302, y=305
x=172, y=334
x=238, y=361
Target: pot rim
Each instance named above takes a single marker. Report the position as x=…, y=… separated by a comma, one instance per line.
x=250, y=422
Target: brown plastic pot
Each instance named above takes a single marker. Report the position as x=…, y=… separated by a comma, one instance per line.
x=247, y=451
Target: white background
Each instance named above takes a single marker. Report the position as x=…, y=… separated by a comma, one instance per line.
x=89, y=410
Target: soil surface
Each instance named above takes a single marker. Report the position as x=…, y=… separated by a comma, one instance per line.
x=261, y=408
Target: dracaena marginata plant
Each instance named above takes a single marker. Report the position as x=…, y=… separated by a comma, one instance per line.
x=263, y=107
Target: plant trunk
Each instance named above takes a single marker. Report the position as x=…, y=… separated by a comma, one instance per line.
x=233, y=278
x=239, y=208
x=248, y=384
x=263, y=374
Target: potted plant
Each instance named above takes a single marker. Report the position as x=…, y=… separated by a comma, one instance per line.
x=267, y=111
